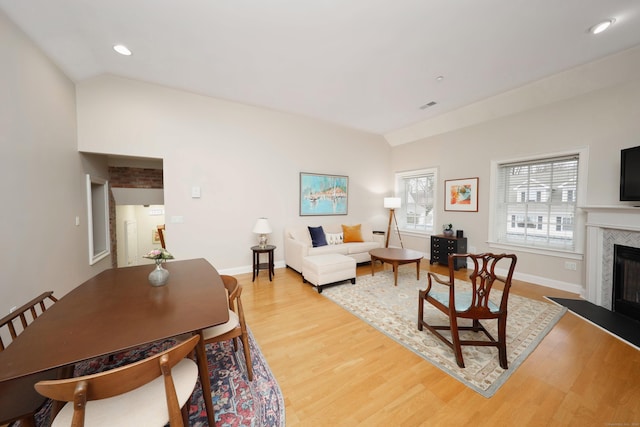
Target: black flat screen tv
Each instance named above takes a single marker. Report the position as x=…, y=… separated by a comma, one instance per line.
x=630, y=174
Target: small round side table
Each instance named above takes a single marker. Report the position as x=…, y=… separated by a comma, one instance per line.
x=257, y=266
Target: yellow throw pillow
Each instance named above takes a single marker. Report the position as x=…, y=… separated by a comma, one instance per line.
x=352, y=233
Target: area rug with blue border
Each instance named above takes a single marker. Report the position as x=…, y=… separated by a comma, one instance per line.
x=393, y=310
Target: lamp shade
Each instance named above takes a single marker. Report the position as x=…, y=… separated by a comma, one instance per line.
x=392, y=202
x=262, y=226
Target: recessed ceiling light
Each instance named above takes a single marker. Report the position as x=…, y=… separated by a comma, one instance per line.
x=440, y=78
x=601, y=26
x=122, y=49
x=427, y=105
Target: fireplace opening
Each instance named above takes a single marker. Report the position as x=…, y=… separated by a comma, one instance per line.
x=626, y=281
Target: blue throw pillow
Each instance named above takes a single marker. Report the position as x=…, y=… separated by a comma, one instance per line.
x=317, y=236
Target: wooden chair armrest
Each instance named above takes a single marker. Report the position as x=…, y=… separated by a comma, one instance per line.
x=501, y=278
x=437, y=279
x=430, y=276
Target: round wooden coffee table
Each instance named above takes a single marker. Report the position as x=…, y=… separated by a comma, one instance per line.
x=396, y=257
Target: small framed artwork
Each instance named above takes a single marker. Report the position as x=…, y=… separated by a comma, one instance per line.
x=461, y=195
x=155, y=236
x=322, y=194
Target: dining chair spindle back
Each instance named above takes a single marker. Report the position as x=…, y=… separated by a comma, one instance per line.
x=19, y=399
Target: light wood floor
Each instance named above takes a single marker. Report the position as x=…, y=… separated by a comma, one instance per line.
x=336, y=370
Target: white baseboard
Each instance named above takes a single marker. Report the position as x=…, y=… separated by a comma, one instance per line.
x=550, y=283
x=247, y=268
x=546, y=282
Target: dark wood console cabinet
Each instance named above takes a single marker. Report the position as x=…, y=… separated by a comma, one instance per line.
x=442, y=246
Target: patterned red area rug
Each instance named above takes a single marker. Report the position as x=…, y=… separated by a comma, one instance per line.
x=236, y=400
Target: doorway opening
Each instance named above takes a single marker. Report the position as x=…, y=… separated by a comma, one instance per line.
x=137, y=208
x=137, y=232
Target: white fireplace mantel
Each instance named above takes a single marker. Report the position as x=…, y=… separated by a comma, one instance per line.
x=620, y=224
x=617, y=217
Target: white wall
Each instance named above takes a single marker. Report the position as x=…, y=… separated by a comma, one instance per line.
x=605, y=121
x=245, y=159
x=42, y=177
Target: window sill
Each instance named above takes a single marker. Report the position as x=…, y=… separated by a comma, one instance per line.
x=558, y=253
x=415, y=233
x=98, y=257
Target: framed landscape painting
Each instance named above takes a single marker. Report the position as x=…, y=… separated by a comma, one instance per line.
x=322, y=194
x=461, y=195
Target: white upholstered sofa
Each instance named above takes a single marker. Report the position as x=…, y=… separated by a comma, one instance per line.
x=298, y=244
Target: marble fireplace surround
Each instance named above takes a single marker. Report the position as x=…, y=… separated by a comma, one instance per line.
x=607, y=226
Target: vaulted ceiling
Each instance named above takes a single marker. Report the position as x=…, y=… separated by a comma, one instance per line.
x=364, y=64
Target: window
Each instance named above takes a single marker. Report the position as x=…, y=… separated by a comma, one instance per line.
x=416, y=189
x=535, y=203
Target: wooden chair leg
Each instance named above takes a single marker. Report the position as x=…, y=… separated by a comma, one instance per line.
x=247, y=356
x=455, y=339
x=502, y=342
x=420, y=310
x=185, y=413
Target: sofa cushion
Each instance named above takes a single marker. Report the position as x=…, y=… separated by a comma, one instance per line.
x=317, y=236
x=356, y=248
x=329, y=249
x=301, y=235
x=352, y=233
x=366, y=230
x=332, y=227
x=334, y=238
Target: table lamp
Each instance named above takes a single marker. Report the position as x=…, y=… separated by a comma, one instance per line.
x=262, y=228
x=392, y=203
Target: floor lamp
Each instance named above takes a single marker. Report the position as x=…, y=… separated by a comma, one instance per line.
x=392, y=203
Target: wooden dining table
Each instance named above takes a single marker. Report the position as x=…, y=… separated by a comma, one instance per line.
x=118, y=310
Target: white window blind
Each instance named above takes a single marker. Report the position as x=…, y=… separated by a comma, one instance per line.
x=536, y=202
x=416, y=190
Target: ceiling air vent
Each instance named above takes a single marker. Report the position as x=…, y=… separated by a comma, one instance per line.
x=427, y=105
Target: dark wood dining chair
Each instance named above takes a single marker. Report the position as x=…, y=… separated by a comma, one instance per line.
x=471, y=301
x=19, y=400
x=161, y=235
x=236, y=327
x=148, y=392
x=20, y=318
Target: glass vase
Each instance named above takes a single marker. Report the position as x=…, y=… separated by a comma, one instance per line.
x=159, y=276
